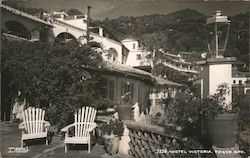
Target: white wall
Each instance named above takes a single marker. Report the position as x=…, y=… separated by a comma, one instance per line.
x=59, y=28
x=107, y=44
x=132, y=59
x=77, y=22
x=220, y=73
x=128, y=43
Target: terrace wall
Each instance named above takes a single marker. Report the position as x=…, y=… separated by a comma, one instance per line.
x=156, y=141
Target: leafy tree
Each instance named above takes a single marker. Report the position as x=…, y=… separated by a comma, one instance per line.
x=60, y=78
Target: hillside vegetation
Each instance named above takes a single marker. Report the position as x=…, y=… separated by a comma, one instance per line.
x=178, y=31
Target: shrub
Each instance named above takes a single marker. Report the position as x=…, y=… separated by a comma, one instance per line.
x=187, y=109
x=216, y=104
x=243, y=102
x=114, y=127
x=183, y=111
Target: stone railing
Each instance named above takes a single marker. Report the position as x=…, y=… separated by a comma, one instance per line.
x=142, y=140
x=153, y=141
x=179, y=68
x=145, y=62
x=14, y=37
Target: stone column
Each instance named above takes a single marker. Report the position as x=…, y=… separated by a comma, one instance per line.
x=124, y=142
x=215, y=72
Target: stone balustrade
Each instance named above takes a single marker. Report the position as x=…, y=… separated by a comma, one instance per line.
x=153, y=141
x=163, y=95
x=143, y=140
x=180, y=68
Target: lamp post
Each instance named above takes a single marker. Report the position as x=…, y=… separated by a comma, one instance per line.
x=249, y=41
x=217, y=30
x=217, y=68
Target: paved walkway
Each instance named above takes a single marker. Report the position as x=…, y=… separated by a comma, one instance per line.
x=10, y=136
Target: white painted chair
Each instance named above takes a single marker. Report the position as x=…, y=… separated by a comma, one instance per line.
x=33, y=125
x=83, y=125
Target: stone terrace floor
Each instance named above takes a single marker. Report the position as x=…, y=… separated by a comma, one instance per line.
x=10, y=136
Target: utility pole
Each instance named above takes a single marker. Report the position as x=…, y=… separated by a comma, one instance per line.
x=153, y=62
x=88, y=20
x=249, y=41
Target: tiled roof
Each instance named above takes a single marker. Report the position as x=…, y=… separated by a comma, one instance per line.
x=162, y=81
x=14, y=37
x=117, y=67
x=120, y=68
x=133, y=38
x=20, y=13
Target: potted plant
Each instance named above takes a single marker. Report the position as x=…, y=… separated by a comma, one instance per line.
x=112, y=133
x=221, y=118
x=125, y=109
x=105, y=106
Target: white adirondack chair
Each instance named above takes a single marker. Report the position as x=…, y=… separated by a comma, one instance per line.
x=33, y=125
x=83, y=125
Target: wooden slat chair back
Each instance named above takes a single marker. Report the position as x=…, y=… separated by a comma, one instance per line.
x=33, y=125
x=84, y=119
x=33, y=119
x=83, y=125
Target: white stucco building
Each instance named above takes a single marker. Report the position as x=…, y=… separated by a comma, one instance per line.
x=220, y=70
x=75, y=27
x=138, y=54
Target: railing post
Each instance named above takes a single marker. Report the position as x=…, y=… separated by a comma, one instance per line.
x=124, y=142
x=152, y=100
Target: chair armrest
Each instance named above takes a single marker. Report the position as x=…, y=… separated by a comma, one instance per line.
x=67, y=127
x=46, y=123
x=21, y=126
x=92, y=127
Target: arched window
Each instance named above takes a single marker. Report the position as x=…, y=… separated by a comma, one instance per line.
x=112, y=54
x=17, y=29
x=65, y=37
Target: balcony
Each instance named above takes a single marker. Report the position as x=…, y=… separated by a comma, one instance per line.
x=180, y=68
x=145, y=63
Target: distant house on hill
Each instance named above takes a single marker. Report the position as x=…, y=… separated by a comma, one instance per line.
x=139, y=56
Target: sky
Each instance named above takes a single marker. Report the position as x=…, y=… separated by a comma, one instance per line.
x=115, y=8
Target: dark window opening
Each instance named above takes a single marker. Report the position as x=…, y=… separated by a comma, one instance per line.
x=240, y=82
x=17, y=29
x=138, y=57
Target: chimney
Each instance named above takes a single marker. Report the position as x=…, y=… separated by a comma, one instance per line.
x=100, y=31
